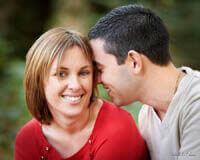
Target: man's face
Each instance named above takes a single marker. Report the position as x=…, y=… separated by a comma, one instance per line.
x=117, y=79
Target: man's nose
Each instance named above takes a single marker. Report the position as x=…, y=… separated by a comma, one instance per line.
x=99, y=78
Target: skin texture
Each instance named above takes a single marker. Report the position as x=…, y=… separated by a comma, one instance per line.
x=75, y=81
x=137, y=79
x=68, y=95
x=116, y=79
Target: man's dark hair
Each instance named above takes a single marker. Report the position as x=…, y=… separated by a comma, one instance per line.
x=133, y=27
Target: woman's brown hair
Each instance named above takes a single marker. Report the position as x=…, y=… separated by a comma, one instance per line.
x=38, y=62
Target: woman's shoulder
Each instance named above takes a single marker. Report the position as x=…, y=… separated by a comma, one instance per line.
x=115, y=111
x=111, y=116
x=28, y=142
x=115, y=128
x=28, y=130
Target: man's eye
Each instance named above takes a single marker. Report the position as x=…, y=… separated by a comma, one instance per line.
x=100, y=71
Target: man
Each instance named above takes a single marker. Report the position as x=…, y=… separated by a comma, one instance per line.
x=131, y=48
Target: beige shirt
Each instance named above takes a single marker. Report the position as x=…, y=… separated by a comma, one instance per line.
x=177, y=136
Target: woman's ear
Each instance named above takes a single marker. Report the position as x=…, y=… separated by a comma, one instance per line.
x=134, y=60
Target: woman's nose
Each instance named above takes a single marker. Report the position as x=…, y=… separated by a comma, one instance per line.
x=73, y=83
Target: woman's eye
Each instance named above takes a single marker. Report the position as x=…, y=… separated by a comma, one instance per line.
x=61, y=74
x=84, y=73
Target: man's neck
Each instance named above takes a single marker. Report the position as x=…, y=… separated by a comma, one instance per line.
x=160, y=86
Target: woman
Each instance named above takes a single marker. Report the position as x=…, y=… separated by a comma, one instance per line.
x=69, y=121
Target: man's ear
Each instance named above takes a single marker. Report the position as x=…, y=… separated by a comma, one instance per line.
x=134, y=59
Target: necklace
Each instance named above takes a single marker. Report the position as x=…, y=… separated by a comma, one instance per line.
x=177, y=82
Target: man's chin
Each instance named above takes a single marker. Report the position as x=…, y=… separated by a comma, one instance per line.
x=121, y=103
x=118, y=103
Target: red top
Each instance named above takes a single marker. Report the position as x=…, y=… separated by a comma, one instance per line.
x=114, y=137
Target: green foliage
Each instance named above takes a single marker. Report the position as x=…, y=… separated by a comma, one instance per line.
x=13, y=111
x=134, y=109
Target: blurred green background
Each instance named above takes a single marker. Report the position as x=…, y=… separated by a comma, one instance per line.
x=23, y=21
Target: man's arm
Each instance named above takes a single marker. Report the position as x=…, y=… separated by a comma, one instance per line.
x=190, y=133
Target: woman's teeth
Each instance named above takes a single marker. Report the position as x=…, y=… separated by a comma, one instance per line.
x=71, y=98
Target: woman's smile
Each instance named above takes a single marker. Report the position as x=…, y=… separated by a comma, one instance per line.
x=71, y=99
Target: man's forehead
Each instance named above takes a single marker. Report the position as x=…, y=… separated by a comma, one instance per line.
x=97, y=44
x=101, y=57
x=98, y=40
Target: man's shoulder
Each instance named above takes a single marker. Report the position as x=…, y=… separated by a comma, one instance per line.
x=190, y=71
x=193, y=85
x=190, y=86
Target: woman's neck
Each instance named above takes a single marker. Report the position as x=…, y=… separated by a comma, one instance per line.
x=73, y=124
x=69, y=135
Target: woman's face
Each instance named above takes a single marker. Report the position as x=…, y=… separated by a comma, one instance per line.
x=68, y=92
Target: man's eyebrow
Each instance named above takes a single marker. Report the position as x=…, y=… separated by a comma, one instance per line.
x=98, y=64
